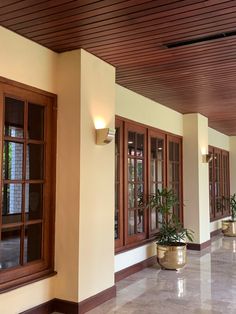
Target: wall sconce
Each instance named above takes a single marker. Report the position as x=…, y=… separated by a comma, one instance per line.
x=207, y=157
x=104, y=136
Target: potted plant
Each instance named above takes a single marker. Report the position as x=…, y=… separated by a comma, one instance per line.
x=172, y=236
x=229, y=226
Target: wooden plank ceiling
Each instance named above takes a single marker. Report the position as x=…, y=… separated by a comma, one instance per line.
x=133, y=35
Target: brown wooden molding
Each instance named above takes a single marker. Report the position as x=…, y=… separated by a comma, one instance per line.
x=68, y=307
x=198, y=246
x=44, y=308
x=216, y=232
x=65, y=307
x=97, y=299
x=135, y=268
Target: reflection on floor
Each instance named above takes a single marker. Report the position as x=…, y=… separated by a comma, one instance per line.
x=207, y=285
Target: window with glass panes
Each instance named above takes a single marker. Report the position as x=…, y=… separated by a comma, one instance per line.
x=219, y=186
x=157, y=169
x=142, y=161
x=28, y=171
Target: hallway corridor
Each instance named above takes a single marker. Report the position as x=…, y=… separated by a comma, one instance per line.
x=207, y=285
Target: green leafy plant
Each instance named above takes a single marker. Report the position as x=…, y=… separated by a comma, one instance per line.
x=171, y=230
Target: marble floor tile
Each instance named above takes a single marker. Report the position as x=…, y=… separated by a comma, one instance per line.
x=206, y=285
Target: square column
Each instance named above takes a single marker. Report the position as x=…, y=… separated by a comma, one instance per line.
x=196, y=177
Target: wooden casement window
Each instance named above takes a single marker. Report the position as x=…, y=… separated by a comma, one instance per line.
x=28, y=137
x=174, y=171
x=219, y=187
x=142, y=158
x=157, y=173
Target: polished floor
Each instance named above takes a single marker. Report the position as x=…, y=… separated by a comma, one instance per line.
x=207, y=285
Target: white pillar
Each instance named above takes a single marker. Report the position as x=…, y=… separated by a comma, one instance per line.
x=196, y=177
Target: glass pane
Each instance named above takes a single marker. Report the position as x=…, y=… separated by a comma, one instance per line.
x=140, y=144
x=33, y=242
x=131, y=143
x=35, y=122
x=153, y=148
x=177, y=172
x=34, y=167
x=171, y=151
x=33, y=201
x=153, y=219
x=153, y=170
x=116, y=224
x=160, y=148
x=131, y=222
x=131, y=195
x=140, y=200
x=12, y=203
x=12, y=161
x=10, y=248
x=153, y=188
x=176, y=146
x=171, y=172
x=140, y=169
x=159, y=170
x=14, y=117
x=140, y=221
x=130, y=169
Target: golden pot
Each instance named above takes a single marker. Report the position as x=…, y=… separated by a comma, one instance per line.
x=229, y=228
x=172, y=256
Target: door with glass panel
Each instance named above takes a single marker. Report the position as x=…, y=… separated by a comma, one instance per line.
x=135, y=152
x=157, y=173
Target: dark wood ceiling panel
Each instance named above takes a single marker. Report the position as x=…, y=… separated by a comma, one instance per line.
x=133, y=35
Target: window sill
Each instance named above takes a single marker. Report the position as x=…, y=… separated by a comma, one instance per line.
x=24, y=281
x=134, y=245
x=219, y=218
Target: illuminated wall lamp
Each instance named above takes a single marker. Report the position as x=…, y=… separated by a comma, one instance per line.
x=104, y=136
x=207, y=157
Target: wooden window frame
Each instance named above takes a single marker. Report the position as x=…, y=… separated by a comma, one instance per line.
x=14, y=277
x=125, y=242
x=224, y=183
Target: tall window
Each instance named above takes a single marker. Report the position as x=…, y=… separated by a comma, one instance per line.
x=142, y=163
x=219, y=188
x=27, y=198
x=175, y=171
x=157, y=169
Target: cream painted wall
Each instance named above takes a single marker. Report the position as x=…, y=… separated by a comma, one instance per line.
x=196, y=177
x=27, y=62
x=135, y=107
x=218, y=139
x=96, y=229
x=131, y=257
x=68, y=176
x=141, y=109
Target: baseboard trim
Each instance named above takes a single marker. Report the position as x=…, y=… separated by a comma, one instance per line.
x=97, y=299
x=68, y=307
x=198, y=246
x=44, y=308
x=135, y=268
x=216, y=232
x=65, y=307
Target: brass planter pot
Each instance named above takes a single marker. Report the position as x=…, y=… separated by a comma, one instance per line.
x=172, y=256
x=229, y=228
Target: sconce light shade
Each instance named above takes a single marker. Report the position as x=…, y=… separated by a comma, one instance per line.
x=207, y=157
x=104, y=136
